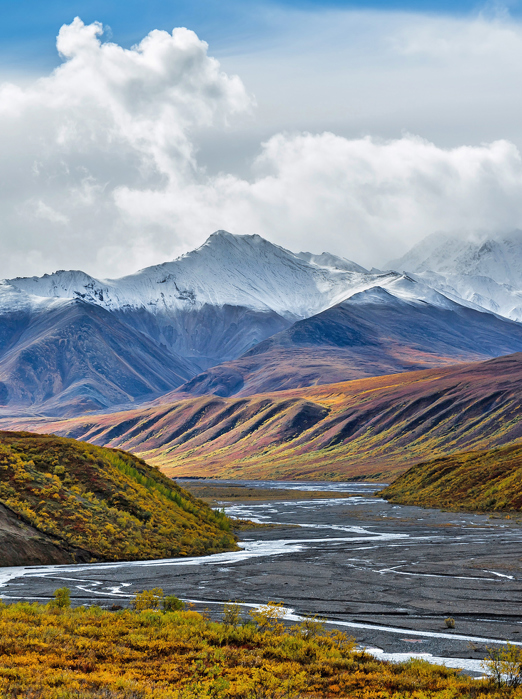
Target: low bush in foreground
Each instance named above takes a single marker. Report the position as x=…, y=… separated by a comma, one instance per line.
x=55, y=652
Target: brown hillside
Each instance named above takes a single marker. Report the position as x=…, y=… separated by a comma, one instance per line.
x=374, y=427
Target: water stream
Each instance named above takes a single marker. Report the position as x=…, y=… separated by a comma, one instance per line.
x=387, y=574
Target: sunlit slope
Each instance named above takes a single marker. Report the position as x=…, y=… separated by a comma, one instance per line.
x=483, y=481
x=373, y=427
x=89, y=503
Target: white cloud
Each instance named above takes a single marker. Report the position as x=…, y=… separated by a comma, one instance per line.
x=107, y=116
x=100, y=168
x=482, y=37
x=41, y=210
x=369, y=199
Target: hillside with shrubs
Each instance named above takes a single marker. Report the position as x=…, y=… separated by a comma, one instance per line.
x=476, y=481
x=91, y=503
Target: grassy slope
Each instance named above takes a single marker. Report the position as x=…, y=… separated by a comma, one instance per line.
x=374, y=427
x=104, y=501
x=93, y=654
x=482, y=481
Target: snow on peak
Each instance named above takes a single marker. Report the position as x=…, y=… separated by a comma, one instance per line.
x=326, y=259
x=484, y=271
x=227, y=270
x=62, y=284
x=14, y=299
x=386, y=285
x=232, y=270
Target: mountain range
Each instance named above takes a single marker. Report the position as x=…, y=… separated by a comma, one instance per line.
x=483, y=271
x=239, y=316
x=375, y=427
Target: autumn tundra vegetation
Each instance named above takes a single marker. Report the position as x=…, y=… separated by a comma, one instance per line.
x=106, y=504
x=476, y=481
x=158, y=649
x=103, y=504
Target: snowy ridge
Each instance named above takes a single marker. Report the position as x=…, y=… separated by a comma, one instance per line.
x=326, y=259
x=16, y=300
x=485, y=273
x=227, y=270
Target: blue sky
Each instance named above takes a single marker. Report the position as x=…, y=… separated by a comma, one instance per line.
x=27, y=29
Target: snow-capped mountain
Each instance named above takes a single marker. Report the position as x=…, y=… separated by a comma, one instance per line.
x=227, y=270
x=216, y=302
x=487, y=273
x=244, y=271
x=71, y=343
x=373, y=332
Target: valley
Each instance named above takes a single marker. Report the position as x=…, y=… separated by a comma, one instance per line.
x=386, y=574
x=283, y=392
x=261, y=350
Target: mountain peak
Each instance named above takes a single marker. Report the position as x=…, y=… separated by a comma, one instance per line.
x=225, y=236
x=220, y=234
x=486, y=272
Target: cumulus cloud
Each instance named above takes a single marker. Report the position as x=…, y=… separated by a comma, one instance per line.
x=364, y=197
x=105, y=117
x=99, y=164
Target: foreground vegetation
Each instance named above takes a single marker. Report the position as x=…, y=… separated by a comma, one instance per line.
x=478, y=481
x=158, y=650
x=105, y=502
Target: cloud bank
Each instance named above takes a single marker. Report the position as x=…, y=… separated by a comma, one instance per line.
x=99, y=166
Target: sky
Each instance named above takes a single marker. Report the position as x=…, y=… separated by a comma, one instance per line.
x=129, y=132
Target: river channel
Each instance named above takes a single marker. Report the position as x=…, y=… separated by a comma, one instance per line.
x=386, y=574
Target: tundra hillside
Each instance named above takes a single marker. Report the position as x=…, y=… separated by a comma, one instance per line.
x=64, y=501
x=477, y=481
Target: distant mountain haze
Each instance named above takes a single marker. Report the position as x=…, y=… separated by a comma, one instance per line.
x=486, y=272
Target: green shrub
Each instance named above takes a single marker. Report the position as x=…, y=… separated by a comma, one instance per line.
x=171, y=603
x=505, y=665
x=148, y=600
x=232, y=614
x=312, y=626
x=62, y=598
x=269, y=616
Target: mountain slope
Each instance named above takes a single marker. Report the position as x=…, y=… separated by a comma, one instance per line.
x=237, y=316
x=72, y=356
x=487, y=272
x=22, y=544
x=89, y=503
x=480, y=481
x=373, y=427
x=216, y=302
x=372, y=333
